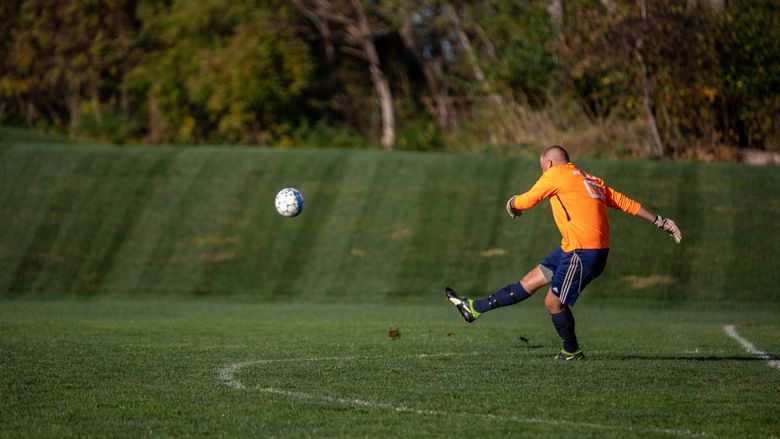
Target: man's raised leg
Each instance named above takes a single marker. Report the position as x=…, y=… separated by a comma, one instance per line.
x=513, y=293
x=509, y=295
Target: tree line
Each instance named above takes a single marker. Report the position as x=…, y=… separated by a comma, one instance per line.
x=649, y=78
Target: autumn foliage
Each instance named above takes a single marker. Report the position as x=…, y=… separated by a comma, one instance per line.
x=661, y=78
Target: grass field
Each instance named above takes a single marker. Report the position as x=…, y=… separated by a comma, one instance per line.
x=155, y=292
x=90, y=220
x=323, y=369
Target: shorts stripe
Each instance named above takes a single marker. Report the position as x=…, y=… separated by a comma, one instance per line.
x=575, y=262
x=567, y=280
x=562, y=292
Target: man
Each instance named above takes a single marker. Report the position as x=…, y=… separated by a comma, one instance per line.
x=579, y=205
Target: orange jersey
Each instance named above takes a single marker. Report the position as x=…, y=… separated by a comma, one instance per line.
x=579, y=204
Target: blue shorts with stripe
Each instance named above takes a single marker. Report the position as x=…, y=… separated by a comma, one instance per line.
x=570, y=272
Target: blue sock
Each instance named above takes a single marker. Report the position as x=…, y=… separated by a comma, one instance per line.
x=564, y=324
x=509, y=295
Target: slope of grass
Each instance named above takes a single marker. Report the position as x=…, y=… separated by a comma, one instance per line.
x=184, y=367
x=98, y=220
x=209, y=314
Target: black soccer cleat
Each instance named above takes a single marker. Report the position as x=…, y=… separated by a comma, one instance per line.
x=465, y=306
x=569, y=356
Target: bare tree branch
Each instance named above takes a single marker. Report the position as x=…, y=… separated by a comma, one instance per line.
x=357, y=34
x=357, y=53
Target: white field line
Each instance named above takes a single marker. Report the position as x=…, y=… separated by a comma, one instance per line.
x=227, y=376
x=748, y=346
x=227, y=373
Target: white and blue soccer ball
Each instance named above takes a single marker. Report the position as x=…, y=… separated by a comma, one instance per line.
x=289, y=202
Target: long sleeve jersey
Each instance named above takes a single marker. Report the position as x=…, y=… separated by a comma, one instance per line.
x=579, y=204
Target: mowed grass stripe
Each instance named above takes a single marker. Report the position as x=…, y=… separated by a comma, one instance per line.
x=289, y=282
x=689, y=205
x=194, y=223
x=414, y=188
x=335, y=244
x=117, y=219
x=753, y=244
x=45, y=258
x=214, y=214
x=448, y=220
x=108, y=221
x=261, y=231
x=223, y=248
x=28, y=189
x=384, y=224
x=495, y=195
x=84, y=207
x=143, y=236
x=719, y=235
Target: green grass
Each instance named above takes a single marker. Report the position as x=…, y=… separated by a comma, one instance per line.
x=108, y=367
x=137, y=285
x=87, y=220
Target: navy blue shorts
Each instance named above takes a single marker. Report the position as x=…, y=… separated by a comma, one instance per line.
x=570, y=272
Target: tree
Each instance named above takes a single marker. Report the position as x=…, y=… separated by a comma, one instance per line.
x=62, y=57
x=715, y=5
x=746, y=107
x=556, y=8
x=346, y=24
x=220, y=70
x=424, y=36
x=657, y=148
x=648, y=60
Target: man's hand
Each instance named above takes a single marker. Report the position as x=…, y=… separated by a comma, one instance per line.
x=669, y=227
x=514, y=213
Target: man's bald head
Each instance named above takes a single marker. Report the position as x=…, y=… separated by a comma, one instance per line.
x=557, y=154
x=553, y=156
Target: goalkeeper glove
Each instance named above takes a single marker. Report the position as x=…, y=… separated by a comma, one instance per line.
x=514, y=213
x=669, y=227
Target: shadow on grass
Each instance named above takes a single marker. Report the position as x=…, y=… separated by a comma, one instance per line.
x=685, y=357
x=531, y=351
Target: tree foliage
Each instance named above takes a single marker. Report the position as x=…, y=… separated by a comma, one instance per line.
x=219, y=70
x=699, y=68
x=685, y=76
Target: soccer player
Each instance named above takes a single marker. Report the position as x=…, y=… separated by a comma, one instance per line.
x=579, y=205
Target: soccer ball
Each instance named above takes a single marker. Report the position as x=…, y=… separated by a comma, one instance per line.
x=289, y=202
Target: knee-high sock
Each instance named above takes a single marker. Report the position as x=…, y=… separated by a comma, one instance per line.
x=509, y=295
x=564, y=324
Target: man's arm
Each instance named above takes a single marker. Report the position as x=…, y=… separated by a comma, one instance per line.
x=667, y=224
x=646, y=214
x=619, y=201
x=543, y=188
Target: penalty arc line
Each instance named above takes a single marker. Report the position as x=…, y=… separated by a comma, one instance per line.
x=731, y=331
x=227, y=376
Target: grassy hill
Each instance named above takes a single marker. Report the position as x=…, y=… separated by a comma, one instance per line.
x=215, y=316
x=85, y=220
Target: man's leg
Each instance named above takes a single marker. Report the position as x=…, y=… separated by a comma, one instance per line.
x=509, y=295
x=513, y=293
x=563, y=320
x=575, y=271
